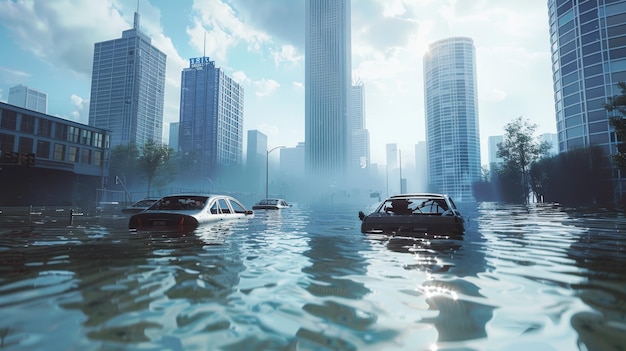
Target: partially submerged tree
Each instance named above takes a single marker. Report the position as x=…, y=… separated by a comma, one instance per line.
x=518, y=150
x=153, y=159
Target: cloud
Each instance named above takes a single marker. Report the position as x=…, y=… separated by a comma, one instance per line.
x=287, y=54
x=223, y=29
x=265, y=87
x=77, y=101
x=241, y=78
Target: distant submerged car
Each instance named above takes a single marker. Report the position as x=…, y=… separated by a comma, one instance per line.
x=410, y=214
x=187, y=212
x=139, y=206
x=270, y=204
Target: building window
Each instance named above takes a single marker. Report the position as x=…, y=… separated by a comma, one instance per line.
x=85, y=137
x=44, y=127
x=43, y=149
x=25, y=145
x=9, y=120
x=61, y=131
x=27, y=124
x=6, y=142
x=97, y=139
x=59, y=152
x=73, y=133
x=97, y=158
x=85, y=156
x=72, y=154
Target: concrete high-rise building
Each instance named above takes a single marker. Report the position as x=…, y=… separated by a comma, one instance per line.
x=256, y=152
x=211, y=117
x=174, y=131
x=328, y=80
x=392, y=170
x=23, y=96
x=128, y=88
x=360, y=147
x=452, y=132
x=492, y=148
x=588, y=60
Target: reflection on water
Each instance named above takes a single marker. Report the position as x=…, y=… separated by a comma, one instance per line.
x=521, y=277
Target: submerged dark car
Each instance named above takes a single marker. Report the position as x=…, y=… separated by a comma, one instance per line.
x=410, y=214
x=187, y=212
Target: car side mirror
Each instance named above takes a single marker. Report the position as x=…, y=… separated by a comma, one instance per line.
x=361, y=215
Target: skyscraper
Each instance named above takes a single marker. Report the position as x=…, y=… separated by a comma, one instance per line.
x=256, y=159
x=174, y=131
x=588, y=60
x=23, y=96
x=360, y=142
x=128, y=88
x=452, y=133
x=328, y=80
x=211, y=117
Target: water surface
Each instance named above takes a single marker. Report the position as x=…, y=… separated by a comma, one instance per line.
x=522, y=277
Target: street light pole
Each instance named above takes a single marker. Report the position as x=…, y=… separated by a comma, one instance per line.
x=267, y=169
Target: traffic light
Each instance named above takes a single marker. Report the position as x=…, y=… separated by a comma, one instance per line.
x=10, y=157
x=24, y=159
x=27, y=159
x=31, y=159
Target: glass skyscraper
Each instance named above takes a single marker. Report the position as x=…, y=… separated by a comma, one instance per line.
x=588, y=60
x=23, y=96
x=128, y=88
x=452, y=132
x=211, y=117
x=360, y=143
x=328, y=83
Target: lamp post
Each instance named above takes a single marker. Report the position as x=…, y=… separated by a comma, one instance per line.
x=267, y=169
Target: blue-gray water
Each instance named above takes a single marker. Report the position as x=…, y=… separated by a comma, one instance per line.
x=521, y=278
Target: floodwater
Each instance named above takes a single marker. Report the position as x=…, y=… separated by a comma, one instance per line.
x=521, y=278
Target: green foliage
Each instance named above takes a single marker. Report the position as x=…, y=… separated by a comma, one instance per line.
x=124, y=161
x=578, y=177
x=618, y=104
x=154, y=161
x=519, y=149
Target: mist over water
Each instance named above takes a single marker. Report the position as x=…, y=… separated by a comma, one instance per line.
x=306, y=278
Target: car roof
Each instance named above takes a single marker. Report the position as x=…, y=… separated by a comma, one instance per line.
x=431, y=195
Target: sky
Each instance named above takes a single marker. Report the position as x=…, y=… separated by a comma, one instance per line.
x=48, y=46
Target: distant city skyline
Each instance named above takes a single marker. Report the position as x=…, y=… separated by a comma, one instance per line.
x=49, y=45
x=27, y=97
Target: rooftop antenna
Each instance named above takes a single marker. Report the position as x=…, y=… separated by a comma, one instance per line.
x=136, y=23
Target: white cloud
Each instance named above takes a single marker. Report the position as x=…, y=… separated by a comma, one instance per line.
x=287, y=54
x=265, y=87
x=241, y=78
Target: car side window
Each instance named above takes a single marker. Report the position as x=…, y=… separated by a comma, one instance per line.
x=223, y=206
x=237, y=207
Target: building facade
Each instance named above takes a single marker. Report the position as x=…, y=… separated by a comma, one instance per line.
x=128, y=88
x=211, y=117
x=328, y=80
x=452, y=131
x=174, y=131
x=256, y=159
x=46, y=160
x=23, y=96
x=360, y=140
x=588, y=41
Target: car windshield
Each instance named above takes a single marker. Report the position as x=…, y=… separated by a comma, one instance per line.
x=180, y=203
x=414, y=205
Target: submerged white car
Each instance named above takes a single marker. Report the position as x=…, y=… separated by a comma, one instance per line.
x=410, y=214
x=187, y=212
x=270, y=204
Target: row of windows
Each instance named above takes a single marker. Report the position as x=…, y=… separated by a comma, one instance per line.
x=9, y=120
x=60, y=152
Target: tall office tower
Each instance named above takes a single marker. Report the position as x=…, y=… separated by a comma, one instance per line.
x=360, y=148
x=492, y=148
x=392, y=170
x=257, y=158
x=211, y=117
x=421, y=172
x=327, y=88
x=451, y=106
x=128, y=88
x=23, y=96
x=588, y=60
x=174, y=131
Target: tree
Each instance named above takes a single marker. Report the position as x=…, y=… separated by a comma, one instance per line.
x=518, y=150
x=153, y=159
x=124, y=161
x=618, y=104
